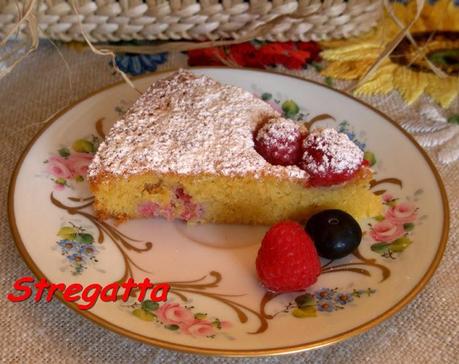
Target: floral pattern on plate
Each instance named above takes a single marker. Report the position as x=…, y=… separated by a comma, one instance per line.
x=70, y=164
x=180, y=318
x=323, y=300
x=77, y=245
x=392, y=231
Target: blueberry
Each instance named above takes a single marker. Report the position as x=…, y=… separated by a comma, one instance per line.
x=335, y=233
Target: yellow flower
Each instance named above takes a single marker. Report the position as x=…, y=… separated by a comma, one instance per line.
x=408, y=69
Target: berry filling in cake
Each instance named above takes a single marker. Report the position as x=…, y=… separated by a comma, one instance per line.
x=178, y=206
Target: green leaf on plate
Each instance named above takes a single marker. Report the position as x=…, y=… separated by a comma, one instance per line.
x=216, y=323
x=200, y=316
x=266, y=96
x=392, y=203
x=379, y=218
x=290, y=108
x=369, y=157
x=409, y=226
x=143, y=315
x=305, y=300
x=172, y=327
x=149, y=305
x=84, y=238
x=400, y=244
x=308, y=311
x=381, y=248
x=67, y=232
x=64, y=152
x=83, y=146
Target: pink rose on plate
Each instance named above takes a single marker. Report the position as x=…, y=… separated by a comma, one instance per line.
x=57, y=166
x=225, y=325
x=386, y=231
x=402, y=213
x=59, y=187
x=174, y=314
x=388, y=197
x=78, y=163
x=199, y=328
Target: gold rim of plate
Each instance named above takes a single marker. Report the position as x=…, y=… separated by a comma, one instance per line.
x=223, y=352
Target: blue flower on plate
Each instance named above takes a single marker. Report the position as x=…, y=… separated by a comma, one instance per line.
x=88, y=250
x=68, y=245
x=324, y=294
x=325, y=306
x=136, y=64
x=76, y=258
x=343, y=298
x=345, y=128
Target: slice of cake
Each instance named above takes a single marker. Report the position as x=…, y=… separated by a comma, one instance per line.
x=193, y=149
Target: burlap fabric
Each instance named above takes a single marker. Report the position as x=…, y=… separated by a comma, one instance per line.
x=426, y=331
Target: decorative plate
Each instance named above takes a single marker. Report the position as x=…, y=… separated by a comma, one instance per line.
x=216, y=305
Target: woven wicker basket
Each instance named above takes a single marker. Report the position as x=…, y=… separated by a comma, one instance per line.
x=111, y=20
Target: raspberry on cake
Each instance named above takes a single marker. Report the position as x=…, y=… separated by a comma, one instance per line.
x=330, y=157
x=187, y=150
x=279, y=142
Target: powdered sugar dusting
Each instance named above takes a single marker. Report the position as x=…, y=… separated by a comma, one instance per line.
x=188, y=124
x=340, y=154
x=279, y=142
x=279, y=129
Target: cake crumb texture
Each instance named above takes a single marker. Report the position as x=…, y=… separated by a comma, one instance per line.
x=237, y=200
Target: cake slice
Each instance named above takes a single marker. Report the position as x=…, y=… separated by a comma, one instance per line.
x=186, y=150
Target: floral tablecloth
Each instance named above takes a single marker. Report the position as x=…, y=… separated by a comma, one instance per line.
x=426, y=331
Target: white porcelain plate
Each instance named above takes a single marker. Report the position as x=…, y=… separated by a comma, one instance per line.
x=216, y=305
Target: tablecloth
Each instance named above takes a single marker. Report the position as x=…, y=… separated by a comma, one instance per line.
x=425, y=331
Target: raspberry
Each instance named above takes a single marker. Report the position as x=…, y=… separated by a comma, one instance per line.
x=279, y=142
x=287, y=260
x=330, y=157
